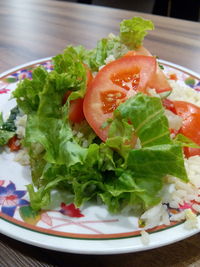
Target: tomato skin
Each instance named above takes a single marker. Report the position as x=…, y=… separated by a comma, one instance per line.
x=191, y=151
x=173, y=76
x=12, y=143
x=168, y=104
x=191, y=120
x=76, y=114
x=109, y=79
x=159, y=81
x=190, y=125
x=141, y=51
x=89, y=75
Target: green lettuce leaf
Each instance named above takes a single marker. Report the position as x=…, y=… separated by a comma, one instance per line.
x=158, y=161
x=38, y=199
x=119, y=175
x=119, y=136
x=185, y=141
x=42, y=197
x=70, y=63
x=148, y=119
x=5, y=136
x=133, y=31
x=27, y=91
x=130, y=190
x=57, y=139
x=106, y=47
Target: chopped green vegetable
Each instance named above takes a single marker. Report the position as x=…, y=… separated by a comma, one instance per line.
x=7, y=128
x=190, y=81
x=5, y=137
x=9, y=125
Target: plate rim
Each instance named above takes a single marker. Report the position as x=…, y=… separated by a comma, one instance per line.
x=83, y=249
x=33, y=62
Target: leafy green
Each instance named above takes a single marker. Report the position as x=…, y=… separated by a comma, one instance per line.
x=106, y=47
x=158, y=155
x=133, y=31
x=9, y=124
x=148, y=119
x=119, y=136
x=38, y=199
x=49, y=137
x=119, y=175
x=131, y=190
x=5, y=136
x=70, y=64
x=158, y=160
x=184, y=141
x=27, y=91
x=83, y=134
x=56, y=138
x=142, y=177
x=7, y=128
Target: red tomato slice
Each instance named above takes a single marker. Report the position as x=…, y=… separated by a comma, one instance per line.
x=89, y=75
x=76, y=114
x=168, y=104
x=191, y=124
x=159, y=80
x=113, y=84
x=141, y=51
x=14, y=144
x=191, y=151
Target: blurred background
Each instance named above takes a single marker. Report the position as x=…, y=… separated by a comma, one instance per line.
x=182, y=9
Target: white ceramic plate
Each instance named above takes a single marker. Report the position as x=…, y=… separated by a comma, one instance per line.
x=97, y=231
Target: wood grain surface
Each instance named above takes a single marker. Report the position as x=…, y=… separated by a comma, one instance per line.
x=33, y=29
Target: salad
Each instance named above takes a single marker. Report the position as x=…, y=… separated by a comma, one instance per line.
x=100, y=126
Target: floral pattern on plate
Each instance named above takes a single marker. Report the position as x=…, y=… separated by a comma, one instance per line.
x=10, y=198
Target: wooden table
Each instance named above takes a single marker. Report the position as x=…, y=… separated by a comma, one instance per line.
x=33, y=29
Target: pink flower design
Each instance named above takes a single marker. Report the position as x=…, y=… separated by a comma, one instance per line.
x=46, y=218
x=185, y=206
x=4, y=91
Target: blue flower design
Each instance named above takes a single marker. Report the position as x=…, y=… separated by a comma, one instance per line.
x=10, y=199
x=22, y=74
